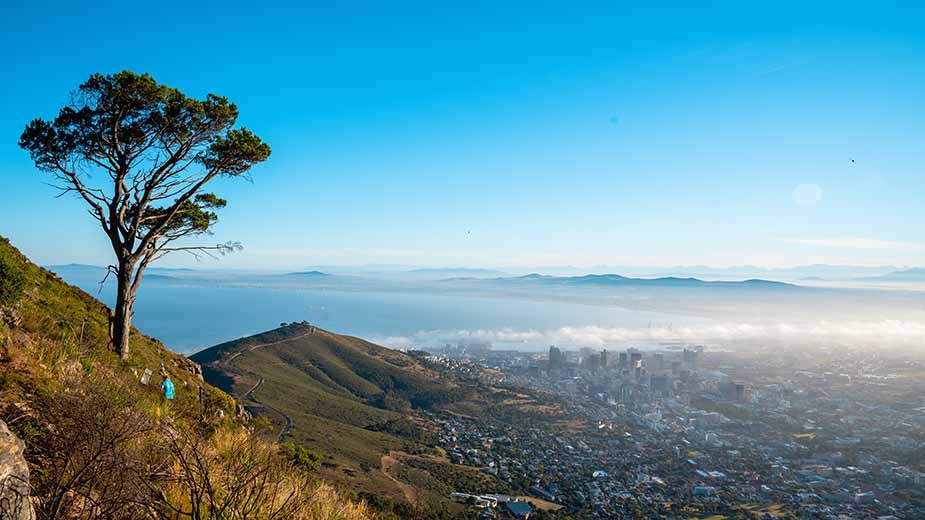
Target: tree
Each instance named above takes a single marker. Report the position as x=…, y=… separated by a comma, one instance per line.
x=151, y=151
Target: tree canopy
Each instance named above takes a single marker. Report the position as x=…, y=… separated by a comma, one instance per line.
x=157, y=147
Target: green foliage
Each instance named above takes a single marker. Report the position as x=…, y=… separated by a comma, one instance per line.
x=141, y=111
x=402, y=427
x=236, y=151
x=192, y=215
x=302, y=457
x=393, y=401
x=12, y=279
x=216, y=399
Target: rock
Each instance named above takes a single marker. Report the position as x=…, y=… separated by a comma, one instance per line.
x=194, y=369
x=10, y=317
x=15, y=503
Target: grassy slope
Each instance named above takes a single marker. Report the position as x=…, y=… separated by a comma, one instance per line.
x=55, y=314
x=329, y=385
x=57, y=328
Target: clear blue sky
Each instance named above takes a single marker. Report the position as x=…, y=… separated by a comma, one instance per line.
x=534, y=134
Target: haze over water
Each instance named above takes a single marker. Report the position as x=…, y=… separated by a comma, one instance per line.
x=188, y=318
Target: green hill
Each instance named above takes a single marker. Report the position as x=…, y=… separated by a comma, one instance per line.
x=350, y=399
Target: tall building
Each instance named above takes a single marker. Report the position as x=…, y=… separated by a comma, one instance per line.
x=591, y=362
x=691, y=357
x=622, y=362
x=658, y=361
x=635, y=358
x=556, y=359
x=739, y=391
x=604, y=359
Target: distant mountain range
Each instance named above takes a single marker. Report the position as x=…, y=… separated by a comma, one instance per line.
x=466, y=278
x=821, y=271
x=813, y=272
x=96, y=273
x=308, y=273
x=616, y=280
x=906, y=275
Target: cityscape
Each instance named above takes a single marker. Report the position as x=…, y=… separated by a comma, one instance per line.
x=685, y=431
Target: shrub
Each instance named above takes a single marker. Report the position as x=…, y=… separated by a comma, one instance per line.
x=85, y=443
x=97, y=453
x=304, y=458
x=216, y=399
x=12, y=280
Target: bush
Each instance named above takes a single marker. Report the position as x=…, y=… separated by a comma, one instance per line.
x=216, y=399
x=304, y=458
x=96, y=453
x=85, y=441
x=12, y=280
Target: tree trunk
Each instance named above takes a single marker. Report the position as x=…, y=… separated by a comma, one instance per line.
x=122, y=312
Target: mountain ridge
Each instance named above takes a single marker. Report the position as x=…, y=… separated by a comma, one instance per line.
x=620, y=280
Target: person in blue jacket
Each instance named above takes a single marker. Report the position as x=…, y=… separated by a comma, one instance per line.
x=167, y=388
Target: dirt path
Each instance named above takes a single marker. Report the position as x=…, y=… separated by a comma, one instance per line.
x=248, y=396
x=387, y=463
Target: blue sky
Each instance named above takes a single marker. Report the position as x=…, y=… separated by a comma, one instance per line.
x=529, y=135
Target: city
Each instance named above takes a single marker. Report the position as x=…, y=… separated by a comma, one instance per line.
x=686, y=431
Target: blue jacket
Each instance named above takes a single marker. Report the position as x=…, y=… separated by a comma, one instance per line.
x=167, y=388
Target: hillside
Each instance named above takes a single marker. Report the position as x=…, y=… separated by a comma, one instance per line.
x=52, y=312
x=99, y=444
x=352, y=400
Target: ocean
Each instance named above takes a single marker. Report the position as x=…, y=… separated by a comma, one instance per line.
x=190, y=317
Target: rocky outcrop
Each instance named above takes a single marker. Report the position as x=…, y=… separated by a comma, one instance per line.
x=15, y=503
x=184, y=363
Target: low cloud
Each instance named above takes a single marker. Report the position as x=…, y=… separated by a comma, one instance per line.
x=874, y=333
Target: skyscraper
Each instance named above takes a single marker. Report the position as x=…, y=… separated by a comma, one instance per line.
x=658, y=361
x=556, y=360
x=635, y=358
x=691, y=357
